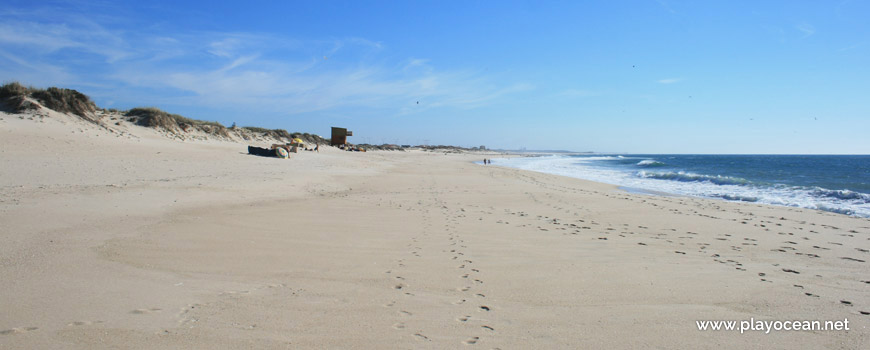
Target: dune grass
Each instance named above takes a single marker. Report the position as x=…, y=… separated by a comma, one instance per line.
x=15, y=95
x=155, y=117
x=58, y=99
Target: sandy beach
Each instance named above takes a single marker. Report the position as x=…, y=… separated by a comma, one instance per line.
x=124, y=238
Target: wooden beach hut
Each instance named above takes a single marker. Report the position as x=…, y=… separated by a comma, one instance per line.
x=339, y=136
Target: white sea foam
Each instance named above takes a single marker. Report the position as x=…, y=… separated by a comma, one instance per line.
x=650, y=163
x=700, y=185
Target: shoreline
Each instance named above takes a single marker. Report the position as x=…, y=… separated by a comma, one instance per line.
x=197, y=245
x=676, y=181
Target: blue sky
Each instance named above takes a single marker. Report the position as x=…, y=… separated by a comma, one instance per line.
x=609, y=76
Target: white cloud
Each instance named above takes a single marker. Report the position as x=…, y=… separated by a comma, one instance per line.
x=225, y=47
x=32, y=73
x=242, y=70
x=79, y=34
x=669, y=80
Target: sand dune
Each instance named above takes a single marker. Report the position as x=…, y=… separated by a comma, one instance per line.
x=127, y=239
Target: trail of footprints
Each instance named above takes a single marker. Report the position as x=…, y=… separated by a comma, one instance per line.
x=470, y=282
x=18, y=330
x=468, y=277
x=468, y=288
x=184, y=316
x=736, y=245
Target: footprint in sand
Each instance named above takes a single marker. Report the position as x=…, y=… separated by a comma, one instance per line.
x=18, y=330
x=852, y=259
x=187, y=308
x=399, y=325
x=234, y=292
x=472, y=340
x=145, y=311
x=83, y=323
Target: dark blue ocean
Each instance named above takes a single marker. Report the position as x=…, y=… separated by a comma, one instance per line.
x=835, y=183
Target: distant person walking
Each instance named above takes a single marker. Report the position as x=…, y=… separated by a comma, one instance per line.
x=484, y=161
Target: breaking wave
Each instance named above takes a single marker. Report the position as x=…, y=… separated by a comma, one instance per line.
x=623, y=171
x=650, y=163
x=842, y=194
x=735, y=197
x=689, y=177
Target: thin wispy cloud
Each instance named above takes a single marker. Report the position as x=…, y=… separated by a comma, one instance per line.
x=666, y=6
x=852, y=47
x=36, y=73
x=805, y=28
x=839, y=8
x=252, y=71
x=669, y=80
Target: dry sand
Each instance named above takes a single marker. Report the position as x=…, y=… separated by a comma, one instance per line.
x=126, y=239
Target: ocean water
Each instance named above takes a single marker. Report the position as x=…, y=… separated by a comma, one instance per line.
x=834, y=183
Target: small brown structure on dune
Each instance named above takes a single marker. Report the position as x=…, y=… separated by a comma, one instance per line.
x=339, y=136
